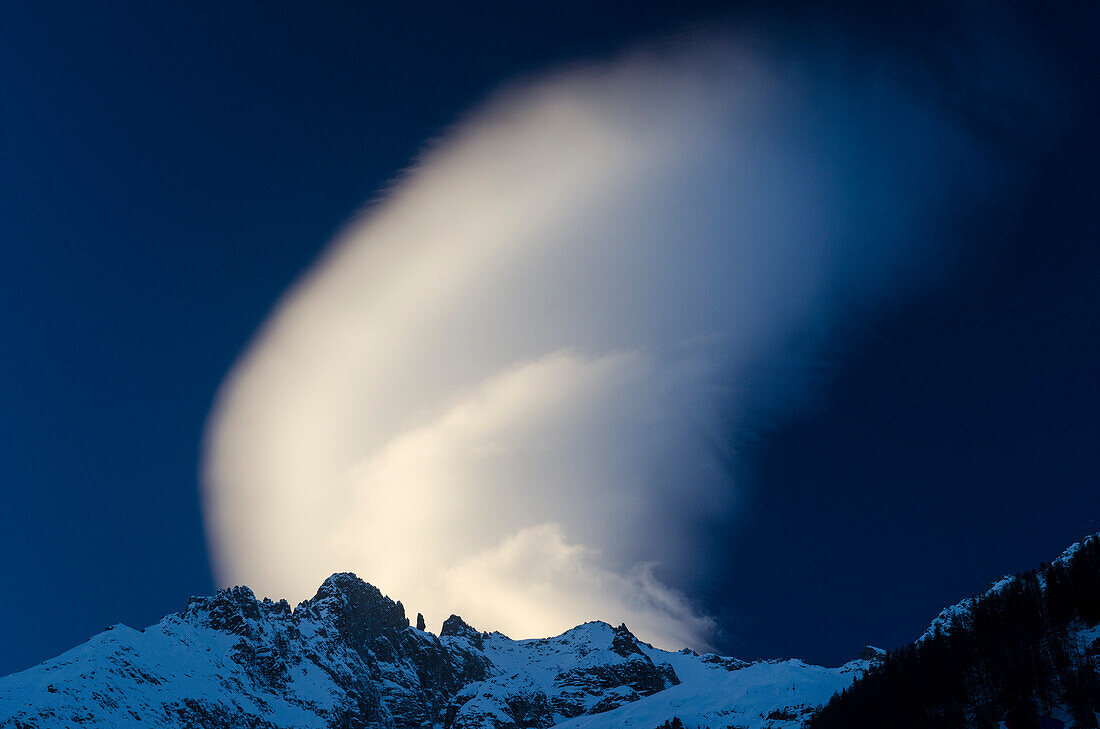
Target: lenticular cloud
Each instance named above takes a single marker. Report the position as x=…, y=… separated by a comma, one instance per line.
x=500, y=391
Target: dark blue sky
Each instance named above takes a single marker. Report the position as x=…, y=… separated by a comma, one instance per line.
x=165, y=173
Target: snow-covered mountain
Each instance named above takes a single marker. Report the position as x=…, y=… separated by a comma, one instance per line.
x=349, y=658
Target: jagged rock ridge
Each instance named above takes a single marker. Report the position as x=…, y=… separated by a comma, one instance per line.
x=349, y=658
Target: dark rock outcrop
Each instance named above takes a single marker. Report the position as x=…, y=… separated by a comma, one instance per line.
x=456, y=627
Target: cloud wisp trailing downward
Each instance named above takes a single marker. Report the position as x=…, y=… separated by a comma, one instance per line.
x=498, y=391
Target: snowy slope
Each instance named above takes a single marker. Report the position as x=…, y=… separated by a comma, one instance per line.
x=349, y=658
x=765, y=694
x=959, y=615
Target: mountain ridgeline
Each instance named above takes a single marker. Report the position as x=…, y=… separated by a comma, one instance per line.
x=349, y=659
x=1026, y=653
x=1023, y=655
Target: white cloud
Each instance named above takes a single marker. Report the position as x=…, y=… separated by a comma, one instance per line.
x=543, y=324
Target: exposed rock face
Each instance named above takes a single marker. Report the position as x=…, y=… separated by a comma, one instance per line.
x=871, y=653
x=456, y=627
x=347, y=658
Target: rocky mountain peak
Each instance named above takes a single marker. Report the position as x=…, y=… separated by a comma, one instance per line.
x=368, y=621
x=625, y=643
x=455, y=626
x=353, y=601
x=234, y=610
x=871, y=653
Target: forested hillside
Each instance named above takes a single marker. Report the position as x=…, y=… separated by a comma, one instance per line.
x=1026, y=649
